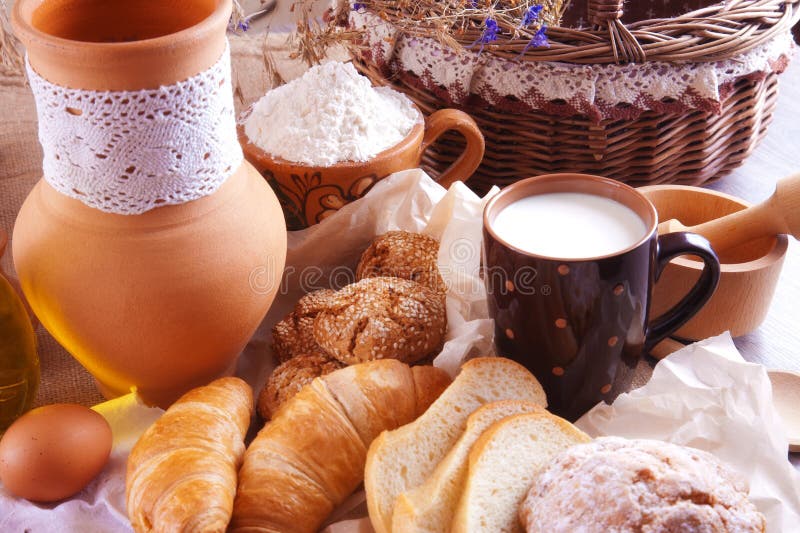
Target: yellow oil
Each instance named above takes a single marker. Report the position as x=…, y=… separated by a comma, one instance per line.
x=19, y=363
x=52, y=318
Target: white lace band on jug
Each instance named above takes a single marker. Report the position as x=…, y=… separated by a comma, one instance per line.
x=128, y=152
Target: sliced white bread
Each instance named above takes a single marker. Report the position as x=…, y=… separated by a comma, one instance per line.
x=403, y=459
x=502, y=466
x=430, y=507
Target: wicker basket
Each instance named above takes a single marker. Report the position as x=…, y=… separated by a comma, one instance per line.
x=689, y=147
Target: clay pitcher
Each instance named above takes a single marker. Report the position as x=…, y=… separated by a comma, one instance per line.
x=164, y=300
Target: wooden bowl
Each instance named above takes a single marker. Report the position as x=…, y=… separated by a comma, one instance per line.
x=750, y=272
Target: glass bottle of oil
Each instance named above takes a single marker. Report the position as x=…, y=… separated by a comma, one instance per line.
x=19, y=363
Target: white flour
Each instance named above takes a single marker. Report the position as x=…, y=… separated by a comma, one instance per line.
x=328, y=115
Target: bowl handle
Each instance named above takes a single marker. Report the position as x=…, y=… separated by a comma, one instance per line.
x=466, y=164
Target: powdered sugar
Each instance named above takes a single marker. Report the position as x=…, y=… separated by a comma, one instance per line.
x=330, y=114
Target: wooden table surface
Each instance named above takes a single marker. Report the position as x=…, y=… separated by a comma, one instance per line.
x=776, y=344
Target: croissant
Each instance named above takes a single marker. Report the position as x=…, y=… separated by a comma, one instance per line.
x=311, y=456
x=181, y=474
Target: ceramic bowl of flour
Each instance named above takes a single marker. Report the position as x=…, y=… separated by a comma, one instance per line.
x=325, y=139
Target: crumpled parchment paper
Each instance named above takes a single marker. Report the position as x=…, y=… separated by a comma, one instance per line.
x=703, y=396
x=706, y=396
x=323, y=256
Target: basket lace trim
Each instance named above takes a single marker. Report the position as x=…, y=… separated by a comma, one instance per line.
x=127, y=152
x=601, y=92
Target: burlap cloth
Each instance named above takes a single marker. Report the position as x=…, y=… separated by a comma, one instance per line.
x=63, y=379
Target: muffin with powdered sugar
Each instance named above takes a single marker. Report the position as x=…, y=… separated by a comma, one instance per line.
x=627, y=486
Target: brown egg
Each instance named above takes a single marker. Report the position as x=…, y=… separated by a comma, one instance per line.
x=52, y=452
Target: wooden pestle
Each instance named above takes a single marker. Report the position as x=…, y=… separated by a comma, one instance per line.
x=780, y=213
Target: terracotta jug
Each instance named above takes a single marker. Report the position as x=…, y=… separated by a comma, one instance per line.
x=165, y=300
x=19, y=363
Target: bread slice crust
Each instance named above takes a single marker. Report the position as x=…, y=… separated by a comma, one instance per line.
x=502, y=466
x=403, y=459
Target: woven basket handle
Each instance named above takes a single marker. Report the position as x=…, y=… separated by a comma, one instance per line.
x=625, y=47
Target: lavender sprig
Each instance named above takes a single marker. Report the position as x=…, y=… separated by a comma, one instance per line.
x=488, y=35
x=531, y=15
x=539, y=40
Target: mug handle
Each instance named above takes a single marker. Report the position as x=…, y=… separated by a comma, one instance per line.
x=466, y=164
x=669, y=247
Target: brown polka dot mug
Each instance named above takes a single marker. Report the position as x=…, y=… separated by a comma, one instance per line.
x=579, y=321
x=308, y=194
